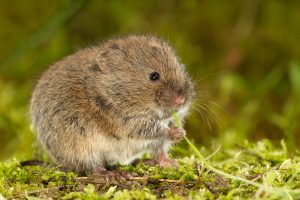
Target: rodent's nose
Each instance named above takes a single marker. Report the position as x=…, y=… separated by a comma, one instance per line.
x=179, y=100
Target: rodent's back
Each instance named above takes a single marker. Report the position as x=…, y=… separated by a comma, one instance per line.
x=61, y=105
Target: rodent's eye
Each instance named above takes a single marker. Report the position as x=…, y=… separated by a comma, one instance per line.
x=154, y=76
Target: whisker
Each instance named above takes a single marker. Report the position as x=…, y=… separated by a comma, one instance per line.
x=213, y=74
x=205, y=89
x=220, y=107
x=200, y=97
x=208, y=124
x=212, y=115
x=204, y=117
x=199, y=112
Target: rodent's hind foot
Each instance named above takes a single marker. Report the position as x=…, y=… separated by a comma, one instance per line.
x=101, y=172
x=164, y=161
x=147, y=161
x=168, y=163
x=161, y=159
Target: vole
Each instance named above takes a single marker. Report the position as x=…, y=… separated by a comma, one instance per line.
x=111, y=103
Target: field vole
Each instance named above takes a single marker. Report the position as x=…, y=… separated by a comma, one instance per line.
x=112, y=102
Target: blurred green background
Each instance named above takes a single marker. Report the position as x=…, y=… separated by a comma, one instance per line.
x=244, y=55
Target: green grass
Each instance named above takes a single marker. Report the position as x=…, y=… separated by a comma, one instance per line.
x=249, y=170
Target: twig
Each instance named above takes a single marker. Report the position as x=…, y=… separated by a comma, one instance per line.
x=215, y=152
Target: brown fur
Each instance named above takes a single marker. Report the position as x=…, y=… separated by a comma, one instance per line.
x=98, y=106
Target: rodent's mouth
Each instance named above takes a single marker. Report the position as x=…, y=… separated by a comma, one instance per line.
x=162, y=113
x=166, y=110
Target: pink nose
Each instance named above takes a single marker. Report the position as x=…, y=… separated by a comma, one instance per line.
x=179, y=100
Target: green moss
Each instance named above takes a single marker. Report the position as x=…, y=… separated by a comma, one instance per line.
x=88, y=194
x=16, y=181
x=185, y=172
x=275, y=173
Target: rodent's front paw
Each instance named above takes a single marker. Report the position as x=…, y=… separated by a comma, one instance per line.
x=176, y=134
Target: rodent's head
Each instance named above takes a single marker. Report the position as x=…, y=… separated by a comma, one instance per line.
x=145, y=71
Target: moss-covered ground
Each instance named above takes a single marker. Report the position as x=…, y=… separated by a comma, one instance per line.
x=275, y=172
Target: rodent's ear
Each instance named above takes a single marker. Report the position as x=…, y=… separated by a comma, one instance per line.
x=114, y=46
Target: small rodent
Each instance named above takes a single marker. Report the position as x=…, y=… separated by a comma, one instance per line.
x=111, y=103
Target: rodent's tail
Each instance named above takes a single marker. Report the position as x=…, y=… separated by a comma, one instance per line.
x=43, y=164
x=34, y=163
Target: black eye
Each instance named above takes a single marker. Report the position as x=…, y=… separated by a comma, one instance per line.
x=154, y=76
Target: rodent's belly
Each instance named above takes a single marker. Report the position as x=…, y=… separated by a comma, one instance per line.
x=124, y=151
x=127, y=151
